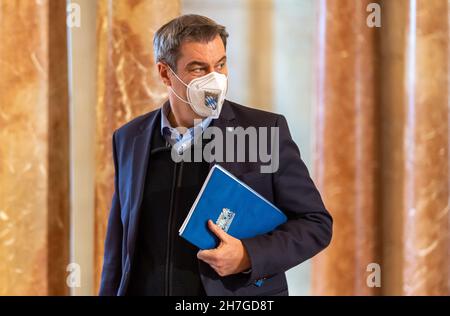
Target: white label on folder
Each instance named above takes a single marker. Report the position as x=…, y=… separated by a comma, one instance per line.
x=225, y=219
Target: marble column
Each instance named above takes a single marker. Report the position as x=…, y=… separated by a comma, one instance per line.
x=412, y=143
x=82, y=144
x=392, y=121
x=260, y=52
x=426, y=231
x=34, y=203
x=128, y=85
x=346, y=147
x=414, y=160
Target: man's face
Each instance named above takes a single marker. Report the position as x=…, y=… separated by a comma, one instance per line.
x=198, y=59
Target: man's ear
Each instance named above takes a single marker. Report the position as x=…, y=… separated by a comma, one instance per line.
x=163, y=71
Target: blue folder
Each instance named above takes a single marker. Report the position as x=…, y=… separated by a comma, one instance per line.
x=231, y=204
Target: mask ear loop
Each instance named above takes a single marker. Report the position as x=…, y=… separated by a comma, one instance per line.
x=177, y=76
x=180, y=98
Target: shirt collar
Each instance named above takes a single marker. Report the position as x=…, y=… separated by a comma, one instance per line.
x=173, y=136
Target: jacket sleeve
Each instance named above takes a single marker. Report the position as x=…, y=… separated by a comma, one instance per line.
x=112, y=261
x=309, y=226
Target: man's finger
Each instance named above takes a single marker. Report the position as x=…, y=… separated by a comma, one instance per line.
x=223, y=236
x=207, y=256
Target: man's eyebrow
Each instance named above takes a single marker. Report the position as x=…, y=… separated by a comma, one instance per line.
x=196, y=63
x=203, y=64
x=224, y=58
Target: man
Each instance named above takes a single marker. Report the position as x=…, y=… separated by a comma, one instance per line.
x=144, y=255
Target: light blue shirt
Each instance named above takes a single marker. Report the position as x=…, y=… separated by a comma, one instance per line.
x=181, y=141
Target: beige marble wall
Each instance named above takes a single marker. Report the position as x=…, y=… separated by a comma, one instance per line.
x=34, y=152
x=426, y=231
x=128, y=85
x=346, y=149
x=409, y=148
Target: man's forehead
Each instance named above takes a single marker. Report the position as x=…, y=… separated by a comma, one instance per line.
x=207, y=52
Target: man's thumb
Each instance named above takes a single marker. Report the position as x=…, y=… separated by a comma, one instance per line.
x=217, y=231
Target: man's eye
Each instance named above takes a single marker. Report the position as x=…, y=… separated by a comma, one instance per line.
x=221, y=65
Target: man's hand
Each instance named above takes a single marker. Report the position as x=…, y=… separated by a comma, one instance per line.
x=230, y=257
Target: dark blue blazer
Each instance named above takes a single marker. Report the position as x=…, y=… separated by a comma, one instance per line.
x=307, y=231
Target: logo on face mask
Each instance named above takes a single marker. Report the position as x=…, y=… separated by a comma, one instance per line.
x=211, y=99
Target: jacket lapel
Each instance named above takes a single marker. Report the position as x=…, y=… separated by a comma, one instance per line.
x=140, y=156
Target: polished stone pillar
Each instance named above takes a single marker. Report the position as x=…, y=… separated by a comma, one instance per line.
x=346, y=148
x=392, y=121
x=82, y=144
x=128, y=85
x=260, y=50
x=414, y=160
x=426, y=231
x=34, y=204
x=412, y=137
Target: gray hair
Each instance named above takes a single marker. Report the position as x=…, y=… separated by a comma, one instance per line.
x=189, y=27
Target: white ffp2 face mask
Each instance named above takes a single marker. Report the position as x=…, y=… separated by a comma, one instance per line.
x=206, y=94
